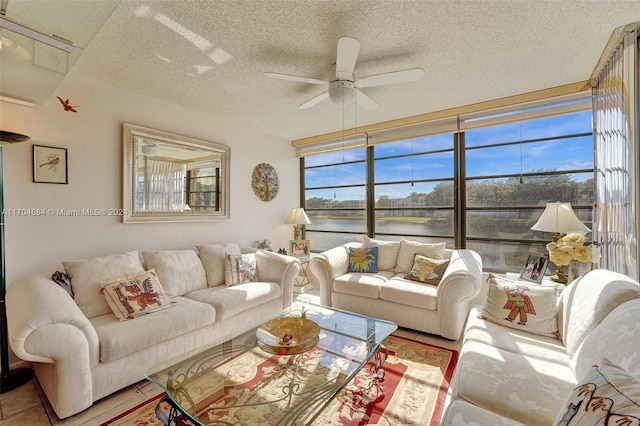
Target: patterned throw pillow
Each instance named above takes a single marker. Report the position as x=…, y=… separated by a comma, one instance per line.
x=240, y=268
x=527, y=307
x=135, y=295
x=608, y=395
x=363, y=259
x=427, y=270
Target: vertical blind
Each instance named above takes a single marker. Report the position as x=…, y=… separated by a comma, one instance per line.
x=165, y=185
x=615, y=115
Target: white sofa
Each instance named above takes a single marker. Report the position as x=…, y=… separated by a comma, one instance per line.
x=441, y=310
x=81, y=352
x=506, y=376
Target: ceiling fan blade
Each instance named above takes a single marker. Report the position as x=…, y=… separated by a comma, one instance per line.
x=348, y=49
x=315, y=100
x=394, y=77
x=294, y=78
x=365, y=101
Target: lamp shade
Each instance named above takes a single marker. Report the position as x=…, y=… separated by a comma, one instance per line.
x=560, y=218
x=297, y=216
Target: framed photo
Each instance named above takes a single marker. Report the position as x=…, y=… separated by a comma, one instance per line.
x=534, y=267
x=49, y=164
x=299, y=248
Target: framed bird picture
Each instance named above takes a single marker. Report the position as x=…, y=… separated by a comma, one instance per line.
x=49, y=164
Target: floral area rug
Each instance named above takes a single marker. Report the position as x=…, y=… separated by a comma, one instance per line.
x=412, y=392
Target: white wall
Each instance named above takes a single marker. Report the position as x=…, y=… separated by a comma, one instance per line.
x=93, y=137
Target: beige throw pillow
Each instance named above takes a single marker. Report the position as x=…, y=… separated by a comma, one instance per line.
x=87, y=276
x=213, y=259
x=387, y=252
x=179, y=271
x=135, y=295
x=408, y=250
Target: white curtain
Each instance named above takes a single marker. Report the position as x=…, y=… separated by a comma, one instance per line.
x=615, y=116
x=165, y=185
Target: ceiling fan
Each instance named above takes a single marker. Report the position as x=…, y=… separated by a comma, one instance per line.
x=345, y=87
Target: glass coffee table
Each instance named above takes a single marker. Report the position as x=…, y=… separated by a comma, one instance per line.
x=239, y=383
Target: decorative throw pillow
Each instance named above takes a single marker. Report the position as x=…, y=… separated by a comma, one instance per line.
x=63, y=281
x=240, y=268
x=608, y=395
x=363, y=259
x=408, y=250
x=87, y=275
x=179, y=271
x=526, y=307
x=387, y=252
x=427, y=270
x=135, y=295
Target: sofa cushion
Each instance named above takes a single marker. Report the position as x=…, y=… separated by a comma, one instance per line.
x=461, y=413
x=427, y=270
x=408, y=249
x=363, y=259
x=608, y=395
x=512, y=340
x=121, y=338
x=239, y=268
x=617, y=338
x=87, y=276
x=229, y=301
x=179, y=271
x=212, y=257
x=524, y=388
x=387, y=252
x=135, y=295
x=410, y=293
x=358, y=284
x=526, y=307
x=587, y=301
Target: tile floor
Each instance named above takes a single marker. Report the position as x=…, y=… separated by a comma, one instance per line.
x=27, y=405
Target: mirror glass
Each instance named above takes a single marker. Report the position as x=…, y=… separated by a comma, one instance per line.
x=173, y=178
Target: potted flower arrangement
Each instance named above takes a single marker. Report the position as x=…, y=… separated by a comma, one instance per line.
x=264, y=244
x=571, y=250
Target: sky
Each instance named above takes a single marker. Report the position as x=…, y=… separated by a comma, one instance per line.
x=555, y=154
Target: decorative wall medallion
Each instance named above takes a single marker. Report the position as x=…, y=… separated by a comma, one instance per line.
x=264, y=182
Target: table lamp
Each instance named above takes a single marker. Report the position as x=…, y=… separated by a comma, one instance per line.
x=560, y=220
x=298, y=218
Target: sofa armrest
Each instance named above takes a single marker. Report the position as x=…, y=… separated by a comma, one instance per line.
x=277, y=268
x=460, y=284
x=41, y=315
x=329, y=265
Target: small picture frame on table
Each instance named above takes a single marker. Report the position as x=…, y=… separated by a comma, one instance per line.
x=534, y=267
x=299, y=248
x=49, y=164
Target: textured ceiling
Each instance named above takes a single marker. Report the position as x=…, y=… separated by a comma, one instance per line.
x=211, y=55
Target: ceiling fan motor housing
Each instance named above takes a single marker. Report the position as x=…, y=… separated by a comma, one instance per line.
x=342, y=92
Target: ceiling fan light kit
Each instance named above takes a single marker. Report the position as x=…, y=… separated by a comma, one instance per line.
x=344, y=89
x=342, y=92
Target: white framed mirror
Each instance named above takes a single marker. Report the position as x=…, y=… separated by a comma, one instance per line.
x=173, y=178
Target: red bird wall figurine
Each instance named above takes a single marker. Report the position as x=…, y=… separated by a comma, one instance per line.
x=66, y=105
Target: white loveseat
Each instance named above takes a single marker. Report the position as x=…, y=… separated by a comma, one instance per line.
x=441, y=310
x=81, y=352
x=506, y=376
